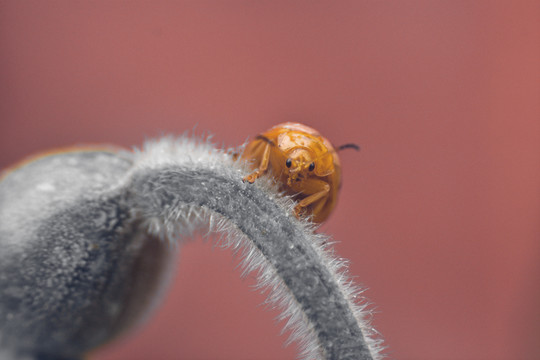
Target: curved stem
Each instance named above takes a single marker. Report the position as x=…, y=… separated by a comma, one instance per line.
x=78, y=229
x=305, y=280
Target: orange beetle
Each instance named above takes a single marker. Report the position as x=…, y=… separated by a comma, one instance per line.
x=304, y=163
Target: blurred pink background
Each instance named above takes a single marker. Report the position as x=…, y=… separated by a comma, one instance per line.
x=440, y=211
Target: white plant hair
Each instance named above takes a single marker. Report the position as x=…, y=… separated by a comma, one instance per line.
x=180, y=219
x=86, y=239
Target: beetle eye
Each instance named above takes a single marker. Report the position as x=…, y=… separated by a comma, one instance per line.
x=311, y=166
x=288, y=163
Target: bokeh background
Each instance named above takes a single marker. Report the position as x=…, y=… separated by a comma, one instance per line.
x=439, y=213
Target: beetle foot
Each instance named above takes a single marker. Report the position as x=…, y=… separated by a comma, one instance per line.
x=251, y=177
x=300, y=211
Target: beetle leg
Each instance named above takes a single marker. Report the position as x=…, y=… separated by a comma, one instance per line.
x=263, y=166
x=318, y=189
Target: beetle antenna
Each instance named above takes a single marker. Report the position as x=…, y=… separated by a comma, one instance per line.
x=349, y=146
x=264, y=138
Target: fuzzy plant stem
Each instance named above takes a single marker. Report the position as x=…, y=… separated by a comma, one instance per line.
x=87, y=240
x=288, y=255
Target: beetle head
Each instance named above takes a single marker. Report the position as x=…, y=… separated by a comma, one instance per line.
x=301, y=164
